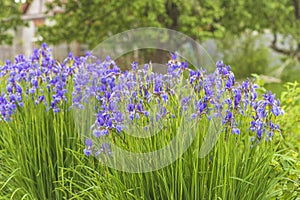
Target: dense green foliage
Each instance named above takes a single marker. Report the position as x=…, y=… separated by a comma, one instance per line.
x=290, y=99
x=289, y=161
x=246, y=55
x=9, y=20
x=91, y=22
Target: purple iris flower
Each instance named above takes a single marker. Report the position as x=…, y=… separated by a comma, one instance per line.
x=236, y=131
x=230, y=82
x=130, y=107
x=173, y=55
x=237, y=97
x=165, y=97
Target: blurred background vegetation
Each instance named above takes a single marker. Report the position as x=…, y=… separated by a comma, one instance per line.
x=254, y=37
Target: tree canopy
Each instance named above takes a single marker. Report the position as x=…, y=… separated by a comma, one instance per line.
x=280, y=17
x=10, y=19
x=91, y=22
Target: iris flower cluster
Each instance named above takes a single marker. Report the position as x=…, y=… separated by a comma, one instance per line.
x=39, y=78
x=135, y=96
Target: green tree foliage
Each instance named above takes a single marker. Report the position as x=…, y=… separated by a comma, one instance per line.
x=280, y=17
x=9, y=20
x=92, y=21
x=245, y=53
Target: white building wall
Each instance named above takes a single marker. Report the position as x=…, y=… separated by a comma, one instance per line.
x=25, y=39
x=28, y=38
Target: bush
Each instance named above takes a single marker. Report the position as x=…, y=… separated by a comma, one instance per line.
x=290, y=101
x=291, y=71
x=246, y=54
x=288, y=158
